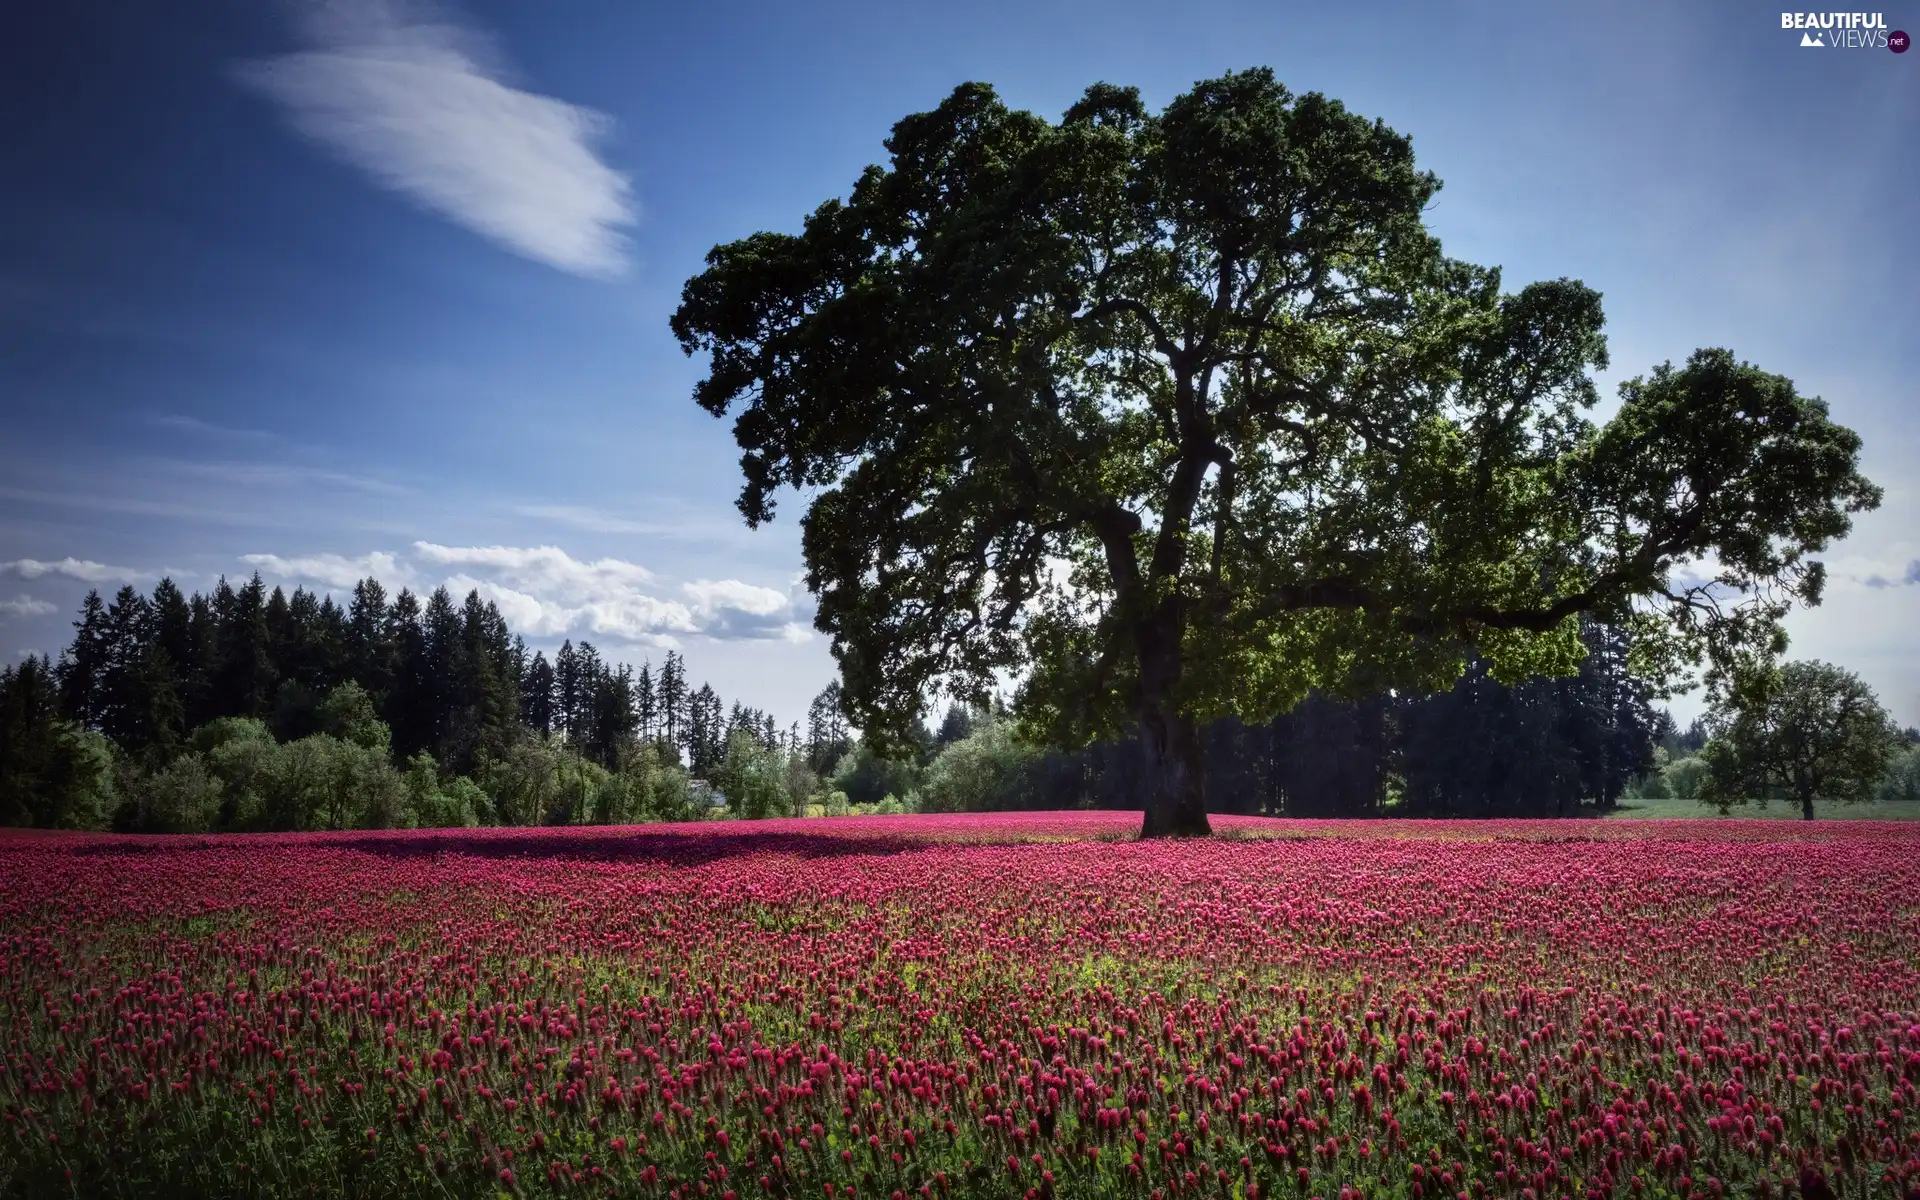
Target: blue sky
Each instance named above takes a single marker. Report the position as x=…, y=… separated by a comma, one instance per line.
x=318, y=288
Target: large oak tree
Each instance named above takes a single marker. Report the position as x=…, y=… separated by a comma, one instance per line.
x=1179, y=415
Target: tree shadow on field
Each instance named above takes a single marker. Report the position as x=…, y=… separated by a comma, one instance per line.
x=612, y=844
x=615, y=845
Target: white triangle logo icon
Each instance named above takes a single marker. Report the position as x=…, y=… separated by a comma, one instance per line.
x=1812, y=39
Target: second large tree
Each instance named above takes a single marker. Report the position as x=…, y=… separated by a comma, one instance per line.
x=1180, y=415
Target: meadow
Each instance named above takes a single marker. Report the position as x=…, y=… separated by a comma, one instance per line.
x=981, y=1005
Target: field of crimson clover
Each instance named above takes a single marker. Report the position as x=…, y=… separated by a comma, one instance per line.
x=967, y=1006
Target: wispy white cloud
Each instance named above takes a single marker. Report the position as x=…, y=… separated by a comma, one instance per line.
x=332, y=570
x=195, y=425
x=25, y=606
x=85, y=570
x=411, y=98
x=260, y=475
x=664, y=518
x=67, y=501
x=591, y=519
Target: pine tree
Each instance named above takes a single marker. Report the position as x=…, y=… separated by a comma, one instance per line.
x=536, y=696
x=82, y=670
x=173, y=624
x=175, y=640
x=331, y=664
x=141, y=708
x=567, y=687
x=202, y=663
x=283, y=636
x=409, y=704
x=590, y=671
x=646, y=711
x=613, y=725
x=827, y=735
x=369, y=645
x=245, y=684
x=485, y=701
x=673, y=700
x=441, y=626
x=706, y=732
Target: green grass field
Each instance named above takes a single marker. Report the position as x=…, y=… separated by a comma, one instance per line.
x=1672, y=810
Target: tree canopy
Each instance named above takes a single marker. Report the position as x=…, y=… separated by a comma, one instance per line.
x=1182, y=415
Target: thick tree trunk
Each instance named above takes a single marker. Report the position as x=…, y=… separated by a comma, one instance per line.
x=1806, y=807
x=1176, y=780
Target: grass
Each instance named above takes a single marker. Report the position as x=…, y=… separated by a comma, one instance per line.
x=1674, y=810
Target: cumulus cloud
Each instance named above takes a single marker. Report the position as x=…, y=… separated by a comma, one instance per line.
x=547, y=566
x=331, y=570
x=85, y=570
x=25, y=606
x=544, y=592
x=732, y=609
x=413, y=100
x=547, y=592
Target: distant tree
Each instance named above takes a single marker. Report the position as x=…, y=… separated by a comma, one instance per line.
x=646, y=704
x=958, y=723
x=53, y=773
x=83, y=668
x=202, y=664
x=613, y=726
x=174, y=635
x=537, y=697
x=409, y=700
x=283, y=634
x=1805, y=731
x=671, y=691
x=483, y=701
x=330, y=646
x=1332, y=758
x=1213, y=362
x=140, y=708
x=752, y=776
x=348, y=713
x=867, y=777
x=706, y=731
x=240, y=752
x=983, y=771
x=246, y=681
x=828, y=737
x=1902, y=779
x=181, y=797
x=443, y=637
x=369, y=645
x=588, y=672
x=567, y=687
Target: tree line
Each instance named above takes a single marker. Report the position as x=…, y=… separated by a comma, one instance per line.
x=1547, y=747
x=250, y=708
